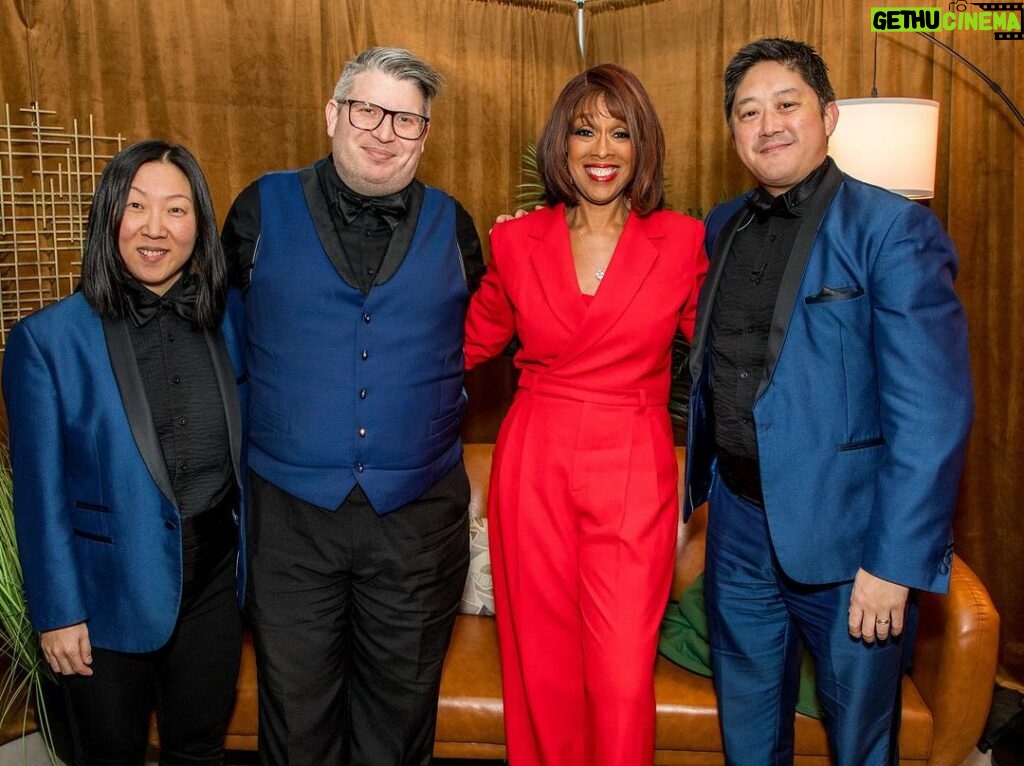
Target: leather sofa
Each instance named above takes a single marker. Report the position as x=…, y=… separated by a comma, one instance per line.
x=945, y=698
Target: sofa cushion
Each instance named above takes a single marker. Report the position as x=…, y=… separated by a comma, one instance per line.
x=470, y=709
x=688, y=721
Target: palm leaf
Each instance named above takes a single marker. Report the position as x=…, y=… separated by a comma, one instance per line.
x=531, y=191
x=21, y=683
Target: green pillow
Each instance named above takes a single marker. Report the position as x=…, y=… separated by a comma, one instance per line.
x=684, y=641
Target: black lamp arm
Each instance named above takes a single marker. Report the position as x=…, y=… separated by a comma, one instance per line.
x=988, y=80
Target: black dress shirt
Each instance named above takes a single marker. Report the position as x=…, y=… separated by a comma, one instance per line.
x=183, y=394
x=364, y=226
x=742, y=313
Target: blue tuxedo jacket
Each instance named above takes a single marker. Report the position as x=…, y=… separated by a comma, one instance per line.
x=865, y=405
x=97, y=524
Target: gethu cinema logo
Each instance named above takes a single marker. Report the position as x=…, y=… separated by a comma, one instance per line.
x=994, y=17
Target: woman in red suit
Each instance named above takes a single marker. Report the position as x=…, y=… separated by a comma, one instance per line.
x=583, y=498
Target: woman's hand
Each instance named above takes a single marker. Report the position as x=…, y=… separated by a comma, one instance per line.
x=68, y=650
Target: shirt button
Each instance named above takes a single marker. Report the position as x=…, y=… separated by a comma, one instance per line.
x=749, y=328
x=362, y=393
x=360, y=467
x=170, y=337
x=182, y=420
x=184, y=468
x=365, y=355
x=362, y=433
x=745, y=421
x=744, y=375
x=176, y=380
x=366, y=318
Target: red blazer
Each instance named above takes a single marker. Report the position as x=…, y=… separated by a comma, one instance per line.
x=620, y=343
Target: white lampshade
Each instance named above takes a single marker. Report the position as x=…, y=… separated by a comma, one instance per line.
x=888, y=142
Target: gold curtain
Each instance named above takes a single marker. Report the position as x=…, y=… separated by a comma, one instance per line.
x=243, y=84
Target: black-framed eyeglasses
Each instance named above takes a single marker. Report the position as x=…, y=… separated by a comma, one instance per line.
x=367, y=116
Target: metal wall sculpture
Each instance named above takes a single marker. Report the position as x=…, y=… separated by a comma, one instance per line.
x=47, y=178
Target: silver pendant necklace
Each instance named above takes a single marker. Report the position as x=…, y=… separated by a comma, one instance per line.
x=599, y=273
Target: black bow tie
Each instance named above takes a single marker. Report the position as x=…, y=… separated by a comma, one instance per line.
x=142, y=305
x=765, y=205
x=390, y=208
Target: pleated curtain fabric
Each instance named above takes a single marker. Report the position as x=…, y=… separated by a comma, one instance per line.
x=244, y=83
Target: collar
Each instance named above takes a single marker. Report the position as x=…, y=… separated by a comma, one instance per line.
x=789, y=203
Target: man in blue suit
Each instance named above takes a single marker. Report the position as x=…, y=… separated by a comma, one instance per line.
x=829, y=418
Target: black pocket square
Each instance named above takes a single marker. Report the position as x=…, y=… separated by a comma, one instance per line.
x=826, y=294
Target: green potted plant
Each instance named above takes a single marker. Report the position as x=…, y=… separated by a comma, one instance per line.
x=531, y=191
x=23, y=671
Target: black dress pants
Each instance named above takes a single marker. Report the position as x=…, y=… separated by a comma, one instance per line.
x=191, y=680
x=352, y=614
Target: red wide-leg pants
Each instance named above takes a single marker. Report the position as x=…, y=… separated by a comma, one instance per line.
x=583, y=511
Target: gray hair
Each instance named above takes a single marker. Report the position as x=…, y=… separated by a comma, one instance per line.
x=397, y=62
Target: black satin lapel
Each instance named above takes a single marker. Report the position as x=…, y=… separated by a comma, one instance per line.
x=229, y=396
x=401, y=238
x=796, y=265
x=706, y=298
x=136, y=406
x=320, y=211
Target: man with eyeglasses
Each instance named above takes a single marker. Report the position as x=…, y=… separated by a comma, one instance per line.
x=356, y=278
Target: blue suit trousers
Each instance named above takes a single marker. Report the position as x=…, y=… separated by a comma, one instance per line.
x=759, y=620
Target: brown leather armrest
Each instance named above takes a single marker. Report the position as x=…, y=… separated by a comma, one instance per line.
x=954, y=663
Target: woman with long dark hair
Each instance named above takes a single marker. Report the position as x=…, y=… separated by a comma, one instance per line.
x=125, y=439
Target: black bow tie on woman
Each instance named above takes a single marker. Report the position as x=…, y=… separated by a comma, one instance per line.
x=141, y=304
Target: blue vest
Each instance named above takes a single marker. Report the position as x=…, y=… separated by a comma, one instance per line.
x=347, y=388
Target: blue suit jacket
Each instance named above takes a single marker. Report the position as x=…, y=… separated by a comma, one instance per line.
x=865, y=405
x=98, y=528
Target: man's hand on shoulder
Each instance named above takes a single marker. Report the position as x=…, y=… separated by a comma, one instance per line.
x=512, y=216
